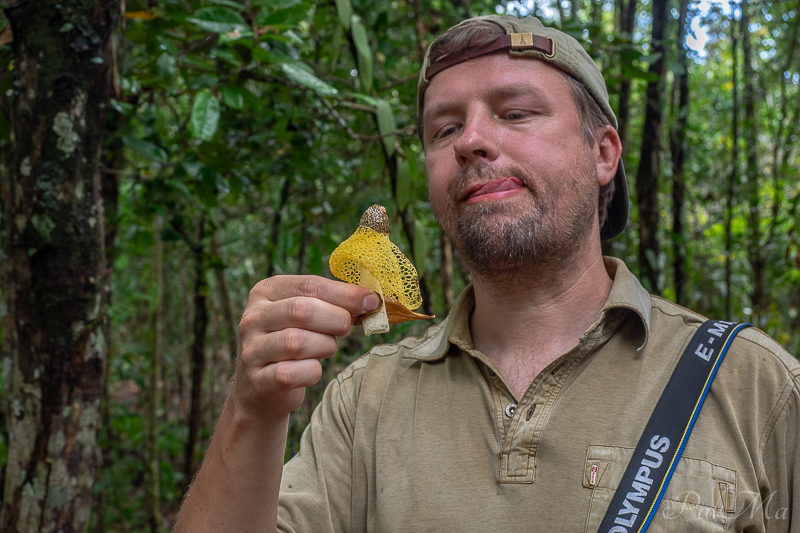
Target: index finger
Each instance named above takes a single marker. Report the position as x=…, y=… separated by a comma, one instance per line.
x=356, y=299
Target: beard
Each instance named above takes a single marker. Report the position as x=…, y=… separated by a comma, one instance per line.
x=501, y=239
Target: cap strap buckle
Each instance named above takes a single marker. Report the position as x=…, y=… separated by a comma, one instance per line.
x=521, y=41
x=552, y=53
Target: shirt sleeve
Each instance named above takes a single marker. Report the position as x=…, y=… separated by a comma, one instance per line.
x=316, y=484
x=780, y=488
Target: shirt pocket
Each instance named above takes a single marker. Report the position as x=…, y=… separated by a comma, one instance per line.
x=701, y=496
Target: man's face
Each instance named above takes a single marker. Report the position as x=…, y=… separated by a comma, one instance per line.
x=509, y=177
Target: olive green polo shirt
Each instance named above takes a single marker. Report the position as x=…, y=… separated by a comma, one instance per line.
x=425, y=435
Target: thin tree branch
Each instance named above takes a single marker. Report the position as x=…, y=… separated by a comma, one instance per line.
x=411, y=130
x=399, y=82
x=351, y=105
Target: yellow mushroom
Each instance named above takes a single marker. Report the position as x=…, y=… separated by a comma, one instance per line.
x=368, y=258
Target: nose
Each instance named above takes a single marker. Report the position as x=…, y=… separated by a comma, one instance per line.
x=476, y=142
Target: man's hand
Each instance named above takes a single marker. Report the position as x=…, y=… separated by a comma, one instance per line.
x=289, y=324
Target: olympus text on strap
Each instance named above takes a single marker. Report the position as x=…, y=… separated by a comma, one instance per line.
x=660, y=447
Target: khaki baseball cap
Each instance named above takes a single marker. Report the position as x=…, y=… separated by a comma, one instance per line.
x=528, y=37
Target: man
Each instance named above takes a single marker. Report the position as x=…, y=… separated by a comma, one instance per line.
x=521, y=410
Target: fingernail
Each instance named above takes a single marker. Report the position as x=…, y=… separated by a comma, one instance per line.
x=371, y=302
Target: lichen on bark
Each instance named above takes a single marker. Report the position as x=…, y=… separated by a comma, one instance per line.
x=67, y=138
x=53, y=272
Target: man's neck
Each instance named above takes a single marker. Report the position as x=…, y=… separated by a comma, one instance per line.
x=525, y=324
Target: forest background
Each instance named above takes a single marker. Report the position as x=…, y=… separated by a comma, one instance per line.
x=160, y=157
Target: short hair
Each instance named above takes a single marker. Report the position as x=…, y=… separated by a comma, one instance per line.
x=483, y=32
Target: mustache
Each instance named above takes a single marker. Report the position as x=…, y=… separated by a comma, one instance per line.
x=472, y=175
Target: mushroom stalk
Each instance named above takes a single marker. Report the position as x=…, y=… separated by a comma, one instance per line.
x=377, y=322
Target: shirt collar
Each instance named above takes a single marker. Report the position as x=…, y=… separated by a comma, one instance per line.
x=626, y=294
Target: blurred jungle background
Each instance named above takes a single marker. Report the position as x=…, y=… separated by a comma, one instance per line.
x=160, y=157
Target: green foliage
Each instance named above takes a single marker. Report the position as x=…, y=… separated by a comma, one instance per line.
x=205, y=115
x=218, y=19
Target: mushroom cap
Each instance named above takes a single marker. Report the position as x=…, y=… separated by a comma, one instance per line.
x=366, y=248
x=376, y=218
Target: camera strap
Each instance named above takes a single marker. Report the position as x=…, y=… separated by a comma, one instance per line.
x=650, y=469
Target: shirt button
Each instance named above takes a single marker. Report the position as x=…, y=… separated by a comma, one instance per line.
x=510, y=408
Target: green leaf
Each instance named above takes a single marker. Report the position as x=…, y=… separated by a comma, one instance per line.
x=232, y=96
x=363, y=51
x=298, y=73
x=66, y=27
x=214, y=181
x=288, y=17
x=413, y=165
x=345, y=11
x=218, y=19
x=386, y=124
x=281, y=133
x=366, y=172
x=193, y=168
x=237, y=184
x=123, y=107
x=230, y=3
x=369, y=100
x=147, y=150
x=259, y=54
x=421, y=247
x=122, y=261
x=165, y=66
x=314, y=260
x=403, y=192
x=651, y=58
x=181, y=186
x=677, y=68
x=226, y=54
x=336, y=47
x=276, y=4
x=635, y=73
x=205, y=115
x=245, y=37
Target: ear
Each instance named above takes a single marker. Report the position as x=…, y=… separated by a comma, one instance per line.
x=608, y=151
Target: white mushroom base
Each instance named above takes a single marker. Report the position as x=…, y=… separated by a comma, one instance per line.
x=379, y=321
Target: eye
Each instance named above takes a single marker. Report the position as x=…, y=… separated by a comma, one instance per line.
x=444, y=133
x=516, y=114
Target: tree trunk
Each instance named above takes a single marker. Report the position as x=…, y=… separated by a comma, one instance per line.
x=595, y=14
x=198, y=352
x=53, y=268
x=734, y=174
x=152, y=489
x=561, y=16
x=678, y=145
x=757, y=258
x=573, y=10
x=596, y=10
x=648, y=174
x=627, y=19
x=231, y=335
x=781, y=149
x=276, y=226
x=113, y=159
